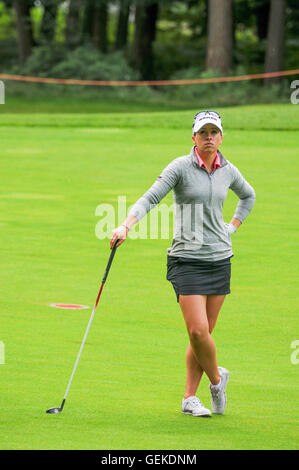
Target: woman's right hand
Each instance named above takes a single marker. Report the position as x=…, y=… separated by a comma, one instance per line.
x=120, y=233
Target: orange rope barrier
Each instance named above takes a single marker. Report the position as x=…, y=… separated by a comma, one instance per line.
x=65, y=81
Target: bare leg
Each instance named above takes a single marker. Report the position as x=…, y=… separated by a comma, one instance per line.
x=211, y=305
x=214, y=304
x=202, y=344
x=193, y=374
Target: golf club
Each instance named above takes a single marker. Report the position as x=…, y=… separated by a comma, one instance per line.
x=59, y=409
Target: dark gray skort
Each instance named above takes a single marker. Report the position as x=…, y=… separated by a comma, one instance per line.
x=196, y=277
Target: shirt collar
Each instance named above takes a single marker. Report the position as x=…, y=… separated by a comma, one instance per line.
x=216, y=163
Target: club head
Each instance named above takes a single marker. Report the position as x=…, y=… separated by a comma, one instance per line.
x=54, y=410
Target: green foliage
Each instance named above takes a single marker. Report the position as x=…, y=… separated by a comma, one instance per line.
x=7, y=23
x=249, y=52
x=60, y=24
x=179, y=52
x=36, y=14
x=88, y=63
x=42, y=60
x=179, y=20
x=225, y=94
x=292, y=54
x=85, y=63
x=8, y=49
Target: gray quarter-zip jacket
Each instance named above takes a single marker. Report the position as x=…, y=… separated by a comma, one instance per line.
x=198, y=197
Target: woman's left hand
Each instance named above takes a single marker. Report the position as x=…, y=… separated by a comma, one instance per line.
x=230, y=228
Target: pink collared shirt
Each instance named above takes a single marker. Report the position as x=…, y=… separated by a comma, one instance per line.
x=216, y=163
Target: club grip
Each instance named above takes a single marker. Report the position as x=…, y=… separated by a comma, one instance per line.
x=110, y=261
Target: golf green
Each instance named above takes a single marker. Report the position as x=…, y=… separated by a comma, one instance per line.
x=57, y=169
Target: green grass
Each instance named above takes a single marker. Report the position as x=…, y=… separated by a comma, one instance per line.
x=47, y=98
x=91, y=103
x=126, y=394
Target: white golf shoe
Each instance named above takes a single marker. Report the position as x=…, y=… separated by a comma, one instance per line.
x=218, y=396
x=193, y=406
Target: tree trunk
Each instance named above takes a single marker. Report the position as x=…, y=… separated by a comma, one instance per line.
x=262, y=10
x=47, y=31
x=275, y=39
x=88, y=15
x=100, y=22
x=146, y=15
x=122, y=24
x=220, y=36
x=73, y=24
x=95, y=23
x=24, y=28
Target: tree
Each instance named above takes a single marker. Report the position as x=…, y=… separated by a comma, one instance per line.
x=73, y=32
x=146, y=14
x=122, y=24
x=275, y=40
x=220, y=36
x=100, y=24
x=47, y=30
x=87, y=26
x=261, y=10
x=24, y=28
x=95, y=23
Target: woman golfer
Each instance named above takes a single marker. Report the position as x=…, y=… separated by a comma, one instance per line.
x=199, y=260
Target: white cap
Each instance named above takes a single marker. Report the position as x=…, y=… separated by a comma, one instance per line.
x=206, y=117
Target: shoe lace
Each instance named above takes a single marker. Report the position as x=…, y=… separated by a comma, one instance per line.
x=215, y=392
x=196, y=402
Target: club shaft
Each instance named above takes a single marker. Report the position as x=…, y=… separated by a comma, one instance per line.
x=80, y=351
x=91, y=318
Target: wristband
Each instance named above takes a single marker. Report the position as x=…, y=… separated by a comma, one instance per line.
x=123, y=225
